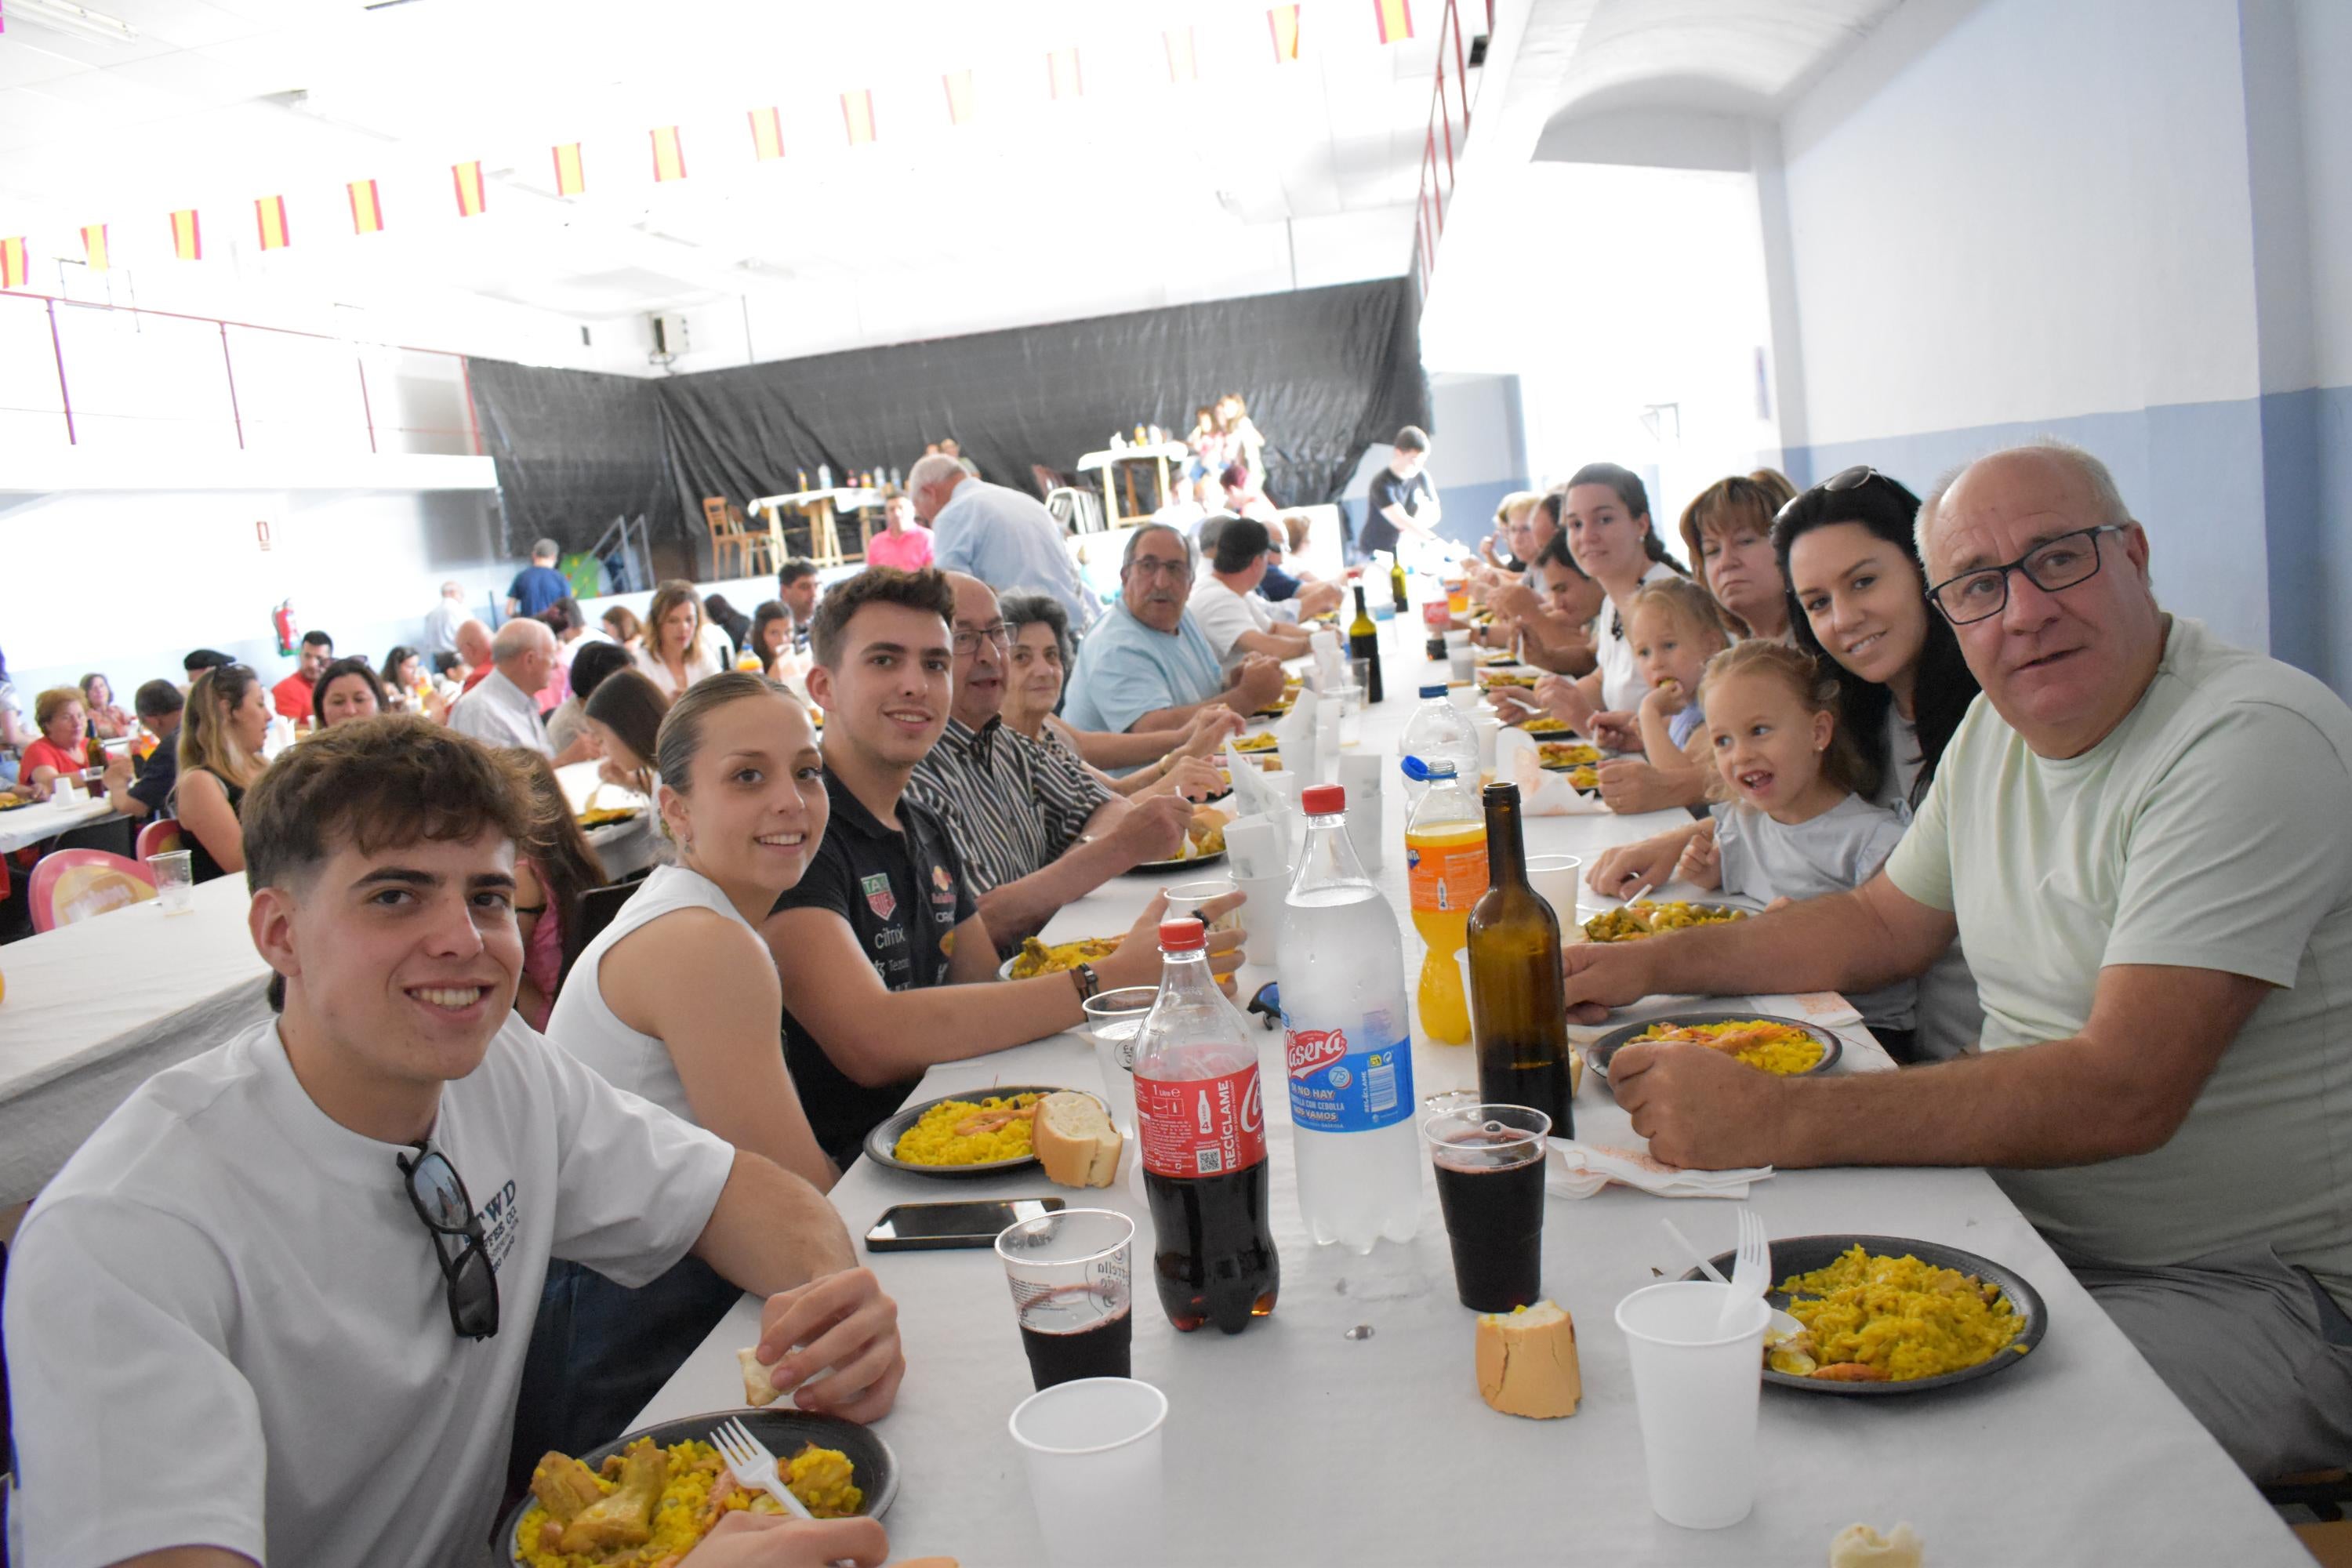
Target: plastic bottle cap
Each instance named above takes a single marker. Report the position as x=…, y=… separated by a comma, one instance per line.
x=1420, y=771
x=1187, y=935
x=1323, y=800
x=1437, y=689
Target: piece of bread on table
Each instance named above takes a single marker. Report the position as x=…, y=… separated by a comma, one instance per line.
x=1859, y=1546
x=1527, y=1361
x=757, y=1389
x=1076, y=1142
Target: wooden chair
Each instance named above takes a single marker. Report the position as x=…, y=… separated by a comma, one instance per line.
x=78, y=884
x=730, y=535
x=161, y=837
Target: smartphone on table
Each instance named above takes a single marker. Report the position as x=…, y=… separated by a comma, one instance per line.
x=971, y=1221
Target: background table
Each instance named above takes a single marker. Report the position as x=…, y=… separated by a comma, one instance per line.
x=93, y=1009
x=43, y=820
x=1295, y=1444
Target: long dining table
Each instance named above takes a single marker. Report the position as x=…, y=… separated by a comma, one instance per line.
x=1347, y=1427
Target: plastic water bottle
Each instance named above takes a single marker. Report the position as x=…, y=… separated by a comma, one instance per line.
x=1439, y=731
x=1347, y=1043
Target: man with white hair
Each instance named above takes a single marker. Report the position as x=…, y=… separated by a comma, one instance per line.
x=441, y=625
x=503, y=710
x=2137, y=832
x=1148, y=666
x=1005, y=539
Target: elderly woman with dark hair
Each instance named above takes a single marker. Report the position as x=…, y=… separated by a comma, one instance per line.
x=1161, y=760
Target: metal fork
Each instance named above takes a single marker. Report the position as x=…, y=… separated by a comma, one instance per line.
x=1751, y=1266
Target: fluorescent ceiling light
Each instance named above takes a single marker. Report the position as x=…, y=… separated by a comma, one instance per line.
x=69, y=18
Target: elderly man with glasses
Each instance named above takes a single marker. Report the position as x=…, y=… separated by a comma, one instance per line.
x=1035, y=827
x=1148, y=665
x=2138, y=833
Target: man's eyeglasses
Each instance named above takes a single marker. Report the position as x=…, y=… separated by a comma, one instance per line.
x=1155, y=566
x=967, y=642
x=2053, y=564
x=439, y=1197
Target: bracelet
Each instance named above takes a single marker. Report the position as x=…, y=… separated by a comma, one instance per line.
x=1083, y=976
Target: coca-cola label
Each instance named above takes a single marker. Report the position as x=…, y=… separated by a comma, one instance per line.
x=1196, y=1127
x=1351, y=1080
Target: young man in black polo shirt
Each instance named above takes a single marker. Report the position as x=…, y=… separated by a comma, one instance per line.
x=886, y=967
x=1402, y=501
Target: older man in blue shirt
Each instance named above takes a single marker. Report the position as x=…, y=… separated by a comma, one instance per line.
x=1004, y=538
x=1148, y=666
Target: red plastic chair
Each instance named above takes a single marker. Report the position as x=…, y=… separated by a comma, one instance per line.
x=160, y=837
x=76, y=884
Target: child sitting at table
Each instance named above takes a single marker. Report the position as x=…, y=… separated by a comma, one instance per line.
x=1675, y=628
x=1790, y=824
x=554, y=868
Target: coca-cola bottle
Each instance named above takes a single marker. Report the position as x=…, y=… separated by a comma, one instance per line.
x=1201, y=1120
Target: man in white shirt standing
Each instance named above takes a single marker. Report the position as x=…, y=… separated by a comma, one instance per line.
x=503, y=710
x=286, y=1285
x=1007, y=539
x=441, y=625
x=1234, y=615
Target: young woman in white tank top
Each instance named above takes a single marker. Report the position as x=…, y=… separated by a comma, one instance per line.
x=678, y=1001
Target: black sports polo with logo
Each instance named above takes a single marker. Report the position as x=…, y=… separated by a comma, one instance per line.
x=903, y=893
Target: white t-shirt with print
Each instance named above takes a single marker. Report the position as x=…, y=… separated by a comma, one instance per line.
x=226, y=1297
x=2206, y=831
x=1622, y=685
x=1224, y=615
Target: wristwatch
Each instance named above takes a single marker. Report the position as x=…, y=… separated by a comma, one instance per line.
x=1087, y=983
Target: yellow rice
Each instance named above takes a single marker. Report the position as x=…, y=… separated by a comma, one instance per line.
x=1910, y=1320
x=933, y=1140
x=1635, y=921
x=820, y=1477
x=1788, y=1053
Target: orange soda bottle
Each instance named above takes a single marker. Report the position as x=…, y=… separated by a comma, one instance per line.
x=1446, y=872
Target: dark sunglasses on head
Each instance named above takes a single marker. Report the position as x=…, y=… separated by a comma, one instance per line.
x=1844, y=479
x=438, y=1195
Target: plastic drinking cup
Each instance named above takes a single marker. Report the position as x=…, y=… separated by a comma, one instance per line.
x=1490, y=1187
x=1461, y=663
x=1262, y=914
x=1114, y=1019
x=1186, y=899
x=1072, y=1276
x=176, y=879
x=1555, y=880
x=1695, y=1390
x=1092, y=1450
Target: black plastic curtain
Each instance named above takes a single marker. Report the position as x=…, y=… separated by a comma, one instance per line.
x=1326, y=374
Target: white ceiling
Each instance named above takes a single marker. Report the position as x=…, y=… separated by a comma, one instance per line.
x=218, y=103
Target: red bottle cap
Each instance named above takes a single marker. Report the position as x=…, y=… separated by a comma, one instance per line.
x=1187, y=935
x=1322, y=800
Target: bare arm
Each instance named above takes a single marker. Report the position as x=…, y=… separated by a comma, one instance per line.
x=1133, y=748
x=205, y=811
x=1119, y=836
x=1645, y=863
x=117, y=791
x=699, y=983
x=1406, y=523
x=2122, y=1086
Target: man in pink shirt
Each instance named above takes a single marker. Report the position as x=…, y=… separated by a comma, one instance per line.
x=904, y=543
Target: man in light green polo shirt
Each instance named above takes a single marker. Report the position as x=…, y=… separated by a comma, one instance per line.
x=2140, y=834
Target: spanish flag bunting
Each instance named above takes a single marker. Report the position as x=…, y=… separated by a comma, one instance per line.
x=960, y=99
x=571, y=178
x=1181, y=65
x=269, y=213
x=1062, y=67
x=187, y=240
x=471, y=196
x=93, y=246
x=858, y=115
x=670, y=154
x=12, y=262
x=767, y=136
x=1284, y=20
x=1396, y=20
x=367, y=209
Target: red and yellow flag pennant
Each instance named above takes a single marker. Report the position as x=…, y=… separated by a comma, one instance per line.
x=961, y=101
x=1182, y=65
x=471, y=198
x=1284, y=21
x=269, y=216
x=858, y=115
x=12, y=262
x=367, y=207
x=1396, y=20
x=571, y=176
x=187, y=239
x=767, y=136
x=93, y=246
x=1062, y=70
x=670, y=154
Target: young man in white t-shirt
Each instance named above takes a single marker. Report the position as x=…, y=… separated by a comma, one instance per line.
x=1231, y=612
x=262, y=1317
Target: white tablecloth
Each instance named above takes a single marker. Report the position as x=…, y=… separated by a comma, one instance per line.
x=43, y=820
x=1293, y=1444
x=93, y=1009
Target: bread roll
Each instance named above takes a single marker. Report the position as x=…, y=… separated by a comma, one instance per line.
x=1859, y=1546
x=1076, y=1142
x=1527, y=1361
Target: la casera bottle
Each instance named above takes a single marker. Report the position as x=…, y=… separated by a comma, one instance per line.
x=1519, y=1012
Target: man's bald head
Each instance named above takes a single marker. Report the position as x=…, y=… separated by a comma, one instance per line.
x=474, y=644
x=2064, y=475
x=524, y=651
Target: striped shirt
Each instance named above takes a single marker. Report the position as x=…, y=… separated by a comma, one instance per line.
x=1011, y=806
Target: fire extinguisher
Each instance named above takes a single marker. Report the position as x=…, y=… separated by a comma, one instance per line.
x=288, y=632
